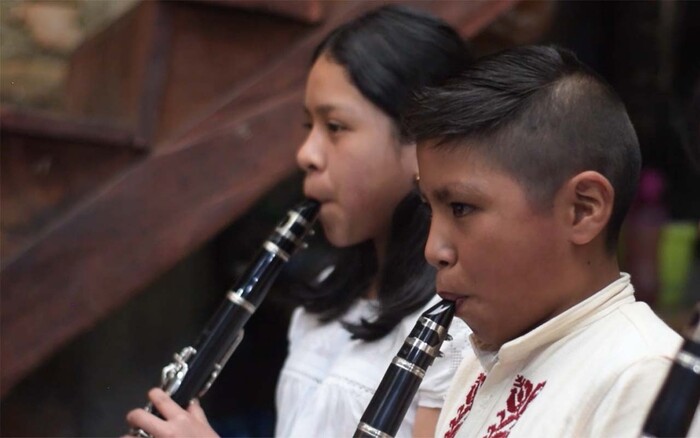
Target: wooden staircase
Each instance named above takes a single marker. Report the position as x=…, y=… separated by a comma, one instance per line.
x=178, y=117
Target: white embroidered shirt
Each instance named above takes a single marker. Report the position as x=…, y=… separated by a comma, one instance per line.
x=592, y=371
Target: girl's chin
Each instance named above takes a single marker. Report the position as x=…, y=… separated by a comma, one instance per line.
x=337, y=233
x=334, y=236
x=339, y=239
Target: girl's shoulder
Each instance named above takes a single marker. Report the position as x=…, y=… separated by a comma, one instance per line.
x=304, y=323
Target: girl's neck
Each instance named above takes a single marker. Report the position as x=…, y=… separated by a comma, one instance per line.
x=380, y=246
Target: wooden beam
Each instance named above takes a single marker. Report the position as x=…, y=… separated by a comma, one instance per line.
x=139, y=226
x=66, y=128
x=308, y=11
x=49, y=165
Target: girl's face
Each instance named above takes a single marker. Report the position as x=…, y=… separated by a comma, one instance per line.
x=355, y=165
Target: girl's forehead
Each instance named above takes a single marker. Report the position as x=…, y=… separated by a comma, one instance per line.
x=328, y=90
x=327, y=75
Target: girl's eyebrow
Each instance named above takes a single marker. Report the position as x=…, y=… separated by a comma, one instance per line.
x=327, y=108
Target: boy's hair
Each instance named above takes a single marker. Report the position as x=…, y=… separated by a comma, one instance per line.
x=389, y=53
x=542, y=116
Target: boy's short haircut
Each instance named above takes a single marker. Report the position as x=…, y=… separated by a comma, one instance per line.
x=541, y=115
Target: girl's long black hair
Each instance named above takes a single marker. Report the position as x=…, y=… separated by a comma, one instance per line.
x=389, y=54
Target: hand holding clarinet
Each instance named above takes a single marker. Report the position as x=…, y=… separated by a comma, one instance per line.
x=171, y=410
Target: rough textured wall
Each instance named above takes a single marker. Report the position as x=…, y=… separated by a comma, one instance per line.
x=37, y=38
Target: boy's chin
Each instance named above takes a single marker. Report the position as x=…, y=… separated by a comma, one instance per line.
x=484, y=344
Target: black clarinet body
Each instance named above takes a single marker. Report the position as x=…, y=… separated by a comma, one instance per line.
x=387, y=409
x=677, y=401
x=195, y=368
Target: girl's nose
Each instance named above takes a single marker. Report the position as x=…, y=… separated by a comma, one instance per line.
x=310, y=155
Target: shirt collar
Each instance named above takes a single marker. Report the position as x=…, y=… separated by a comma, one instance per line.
x=582, y=314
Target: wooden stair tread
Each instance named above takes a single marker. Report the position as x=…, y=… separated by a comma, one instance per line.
x=204, y=168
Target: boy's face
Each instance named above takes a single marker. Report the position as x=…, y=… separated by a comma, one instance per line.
x=496, y=255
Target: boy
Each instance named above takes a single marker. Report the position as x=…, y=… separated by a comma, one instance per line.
x=529, y=162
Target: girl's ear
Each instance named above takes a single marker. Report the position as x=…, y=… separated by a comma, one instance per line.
x=590, y=198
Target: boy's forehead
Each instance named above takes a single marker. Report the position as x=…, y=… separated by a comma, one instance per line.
x=441, y=169
x=453, y=147
x=457, y=169
x=440, y=153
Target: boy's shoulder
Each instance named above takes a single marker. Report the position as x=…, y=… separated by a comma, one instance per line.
x=644, y=325
x=629, y=335
x=634, y=332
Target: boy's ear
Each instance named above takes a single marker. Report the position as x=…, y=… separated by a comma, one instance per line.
x=590, y=199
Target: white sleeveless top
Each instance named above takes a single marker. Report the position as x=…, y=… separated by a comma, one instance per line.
x=328, y=379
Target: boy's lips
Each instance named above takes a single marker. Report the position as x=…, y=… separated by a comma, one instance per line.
x=321, y=200
x=451, y=296
x=458, y=299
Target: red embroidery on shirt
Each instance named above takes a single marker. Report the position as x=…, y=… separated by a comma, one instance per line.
x=463, y=410
x=521, y=394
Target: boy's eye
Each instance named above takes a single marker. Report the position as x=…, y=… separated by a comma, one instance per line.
x=459, y=209
x=334, y=127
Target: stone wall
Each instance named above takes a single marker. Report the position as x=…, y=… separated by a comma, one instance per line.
x=37, y=38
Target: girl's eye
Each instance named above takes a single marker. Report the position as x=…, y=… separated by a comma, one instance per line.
x=307, y=126
x=459, y=209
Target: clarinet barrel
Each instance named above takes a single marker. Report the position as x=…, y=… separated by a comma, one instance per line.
x=385, y=412
x=675, y=406
x=195, y=368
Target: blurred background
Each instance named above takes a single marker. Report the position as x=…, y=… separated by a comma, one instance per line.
x=147, y=149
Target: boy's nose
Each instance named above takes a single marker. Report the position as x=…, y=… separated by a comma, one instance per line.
x=438, y=252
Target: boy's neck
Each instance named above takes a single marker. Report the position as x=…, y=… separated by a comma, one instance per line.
x=592, y=271
x=590, y=274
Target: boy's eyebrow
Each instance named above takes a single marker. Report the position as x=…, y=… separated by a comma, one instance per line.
x=448, y=191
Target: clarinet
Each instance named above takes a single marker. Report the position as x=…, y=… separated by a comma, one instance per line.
x=675, y=406
x=393, y=397
x=194, y=369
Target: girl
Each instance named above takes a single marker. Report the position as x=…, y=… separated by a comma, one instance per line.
x=361, y=167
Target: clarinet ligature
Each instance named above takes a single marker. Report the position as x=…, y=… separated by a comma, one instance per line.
x=395, y=392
